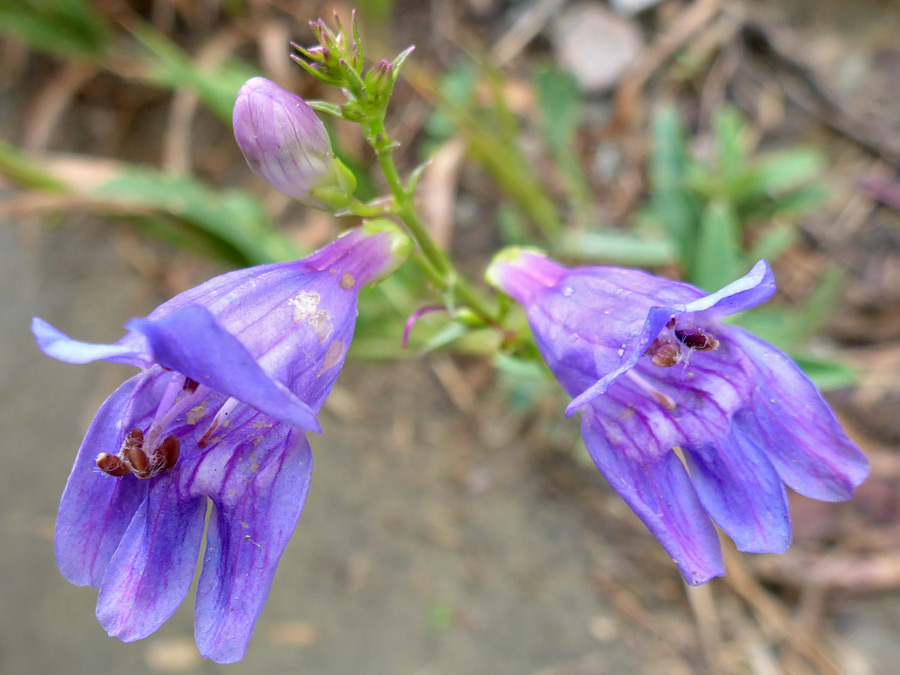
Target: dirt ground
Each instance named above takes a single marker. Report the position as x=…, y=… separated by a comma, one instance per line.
x=442, y=533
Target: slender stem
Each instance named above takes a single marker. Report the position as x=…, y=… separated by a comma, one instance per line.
x=436, y=263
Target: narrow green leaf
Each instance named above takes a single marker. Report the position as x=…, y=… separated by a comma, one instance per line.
x=826, y=375
x=232, y=216
x=718, y=248
x=68, y=28
x=671, y=203
x=780, y=172
x=169, y=66
x=772, y=243
x=561, y=110
x=620, y=247
x=25, y=171
x=731, y=150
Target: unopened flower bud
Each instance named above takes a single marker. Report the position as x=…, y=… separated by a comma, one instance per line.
x=286, y=145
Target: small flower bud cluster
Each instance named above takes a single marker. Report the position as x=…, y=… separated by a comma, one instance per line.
x=338, y=61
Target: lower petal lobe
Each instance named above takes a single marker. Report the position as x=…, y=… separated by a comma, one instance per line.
x=659, y=491
x=257, y=508
x=96, y=509
x=741, y=490
x=150, y=573
x=790, y=419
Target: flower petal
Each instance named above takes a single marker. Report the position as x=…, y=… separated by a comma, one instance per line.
x=659, y=491
x=257, y=508
x=790, y=419
x=60, y=346
x=191, y=341
x=151, y=571
x=742, y=492
x=96, y=509
x=752, y=289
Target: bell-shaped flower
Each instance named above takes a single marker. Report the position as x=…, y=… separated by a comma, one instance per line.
x=688, y=418
x=286, y=145
x=234, y=373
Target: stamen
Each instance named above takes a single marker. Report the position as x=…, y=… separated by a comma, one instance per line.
x=166, y=455
x=133, y=454
x=698, y=339
x=664, y=353
x=190, y=386
x=220, y=418
x=112, y=465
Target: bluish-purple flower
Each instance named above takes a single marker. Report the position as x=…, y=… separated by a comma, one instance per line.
x=689, y=419
x=233, y=374
x=286, y=144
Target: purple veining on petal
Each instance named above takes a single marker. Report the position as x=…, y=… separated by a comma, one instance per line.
x=659, y=378
x=232, y=376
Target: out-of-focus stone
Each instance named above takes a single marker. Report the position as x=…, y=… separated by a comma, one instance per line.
x=629, y=7
x=596, y=45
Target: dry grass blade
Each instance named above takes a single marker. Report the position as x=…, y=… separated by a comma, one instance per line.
x=772, y=616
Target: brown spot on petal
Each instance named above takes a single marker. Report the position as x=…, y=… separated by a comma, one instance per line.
x=305, y=303
x=196, y=413
x=348, y=281
x=321, y=323
x=332, y=356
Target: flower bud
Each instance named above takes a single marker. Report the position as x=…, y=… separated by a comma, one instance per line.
x=286, y=145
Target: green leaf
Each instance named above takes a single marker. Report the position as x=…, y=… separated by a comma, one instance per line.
x=772, y=243
x=27, y=172
x=671, y=203
x=68, y=28
x=817, y=307
x=620, y=247
x=561, y=110
x=826, y=375
x=779, y=173
x=718, y=248
x=797, y=202
x=233, y=217
x=449, y=333
x=731, y=150
x=169, y=66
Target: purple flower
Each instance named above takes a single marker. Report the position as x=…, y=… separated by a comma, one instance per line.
x=687, y=418
x=286, y=145
x=234, y=372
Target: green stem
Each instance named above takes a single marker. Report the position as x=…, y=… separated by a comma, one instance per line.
x=436, y=263
x=358, y=208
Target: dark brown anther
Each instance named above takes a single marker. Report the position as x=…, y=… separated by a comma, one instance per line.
x=697, y=339
x=133, y=452
x=190, y=386
x=671, y=323
x=166, y=455
x=664, y=352
x=666, y=355
x=112, y=465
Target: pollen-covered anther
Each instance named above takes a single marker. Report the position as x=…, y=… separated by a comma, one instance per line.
x=166, y=455
x=112, y=465
x=697, y=339
x=664, y=354
x=133, y=459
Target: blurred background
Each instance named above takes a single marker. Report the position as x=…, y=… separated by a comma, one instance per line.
x=456, y=525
